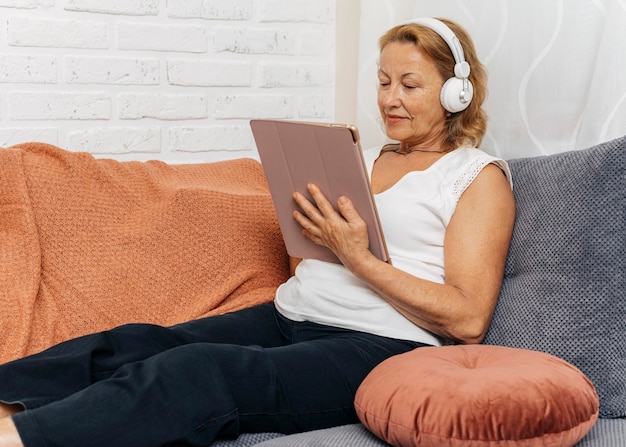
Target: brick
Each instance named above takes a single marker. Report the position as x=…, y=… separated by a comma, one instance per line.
x=317, y=43
x=27, y=4
x=182, y=38
x=34, y=32
x=295, y=75
x=210, y=138
x=162, y=106
x=16, y=135
x=211, y=10
x=112, y=70
x=115, y=140
x=28, y=69
x=319, y=11
x=60, y=106
x=254, y=40
x=126, y=7
x=316, y=106
x=209, y=73
x=254, y=106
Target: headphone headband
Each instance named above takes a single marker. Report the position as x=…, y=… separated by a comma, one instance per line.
x=461, y=67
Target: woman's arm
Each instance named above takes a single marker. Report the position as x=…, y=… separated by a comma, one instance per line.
x=475, y=249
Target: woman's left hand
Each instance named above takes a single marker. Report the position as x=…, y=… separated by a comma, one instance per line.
x=343, y=232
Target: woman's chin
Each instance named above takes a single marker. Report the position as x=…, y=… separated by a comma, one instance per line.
x=394, y=133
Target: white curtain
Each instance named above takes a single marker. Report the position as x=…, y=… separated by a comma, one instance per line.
x=557, y=68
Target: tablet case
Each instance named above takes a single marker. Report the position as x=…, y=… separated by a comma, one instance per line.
x=294, y=154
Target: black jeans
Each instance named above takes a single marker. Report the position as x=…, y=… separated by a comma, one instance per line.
x=145, y=385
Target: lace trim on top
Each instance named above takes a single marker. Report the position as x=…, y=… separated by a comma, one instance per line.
x=468, y=176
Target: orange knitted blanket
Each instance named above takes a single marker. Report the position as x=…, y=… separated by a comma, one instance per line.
x=87, y=244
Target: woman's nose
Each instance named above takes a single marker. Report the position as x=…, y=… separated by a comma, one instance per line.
x=390, y=96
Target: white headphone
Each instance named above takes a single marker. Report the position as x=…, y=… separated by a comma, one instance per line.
x=457, y=92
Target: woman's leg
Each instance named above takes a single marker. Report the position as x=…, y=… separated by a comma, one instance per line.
x=315, y=379
x=197, y=392
x=170, y=397
x=73, y=365
x=9, y=437
x=9, y=409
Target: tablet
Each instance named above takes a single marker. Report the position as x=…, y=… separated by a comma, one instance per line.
x=294, y=154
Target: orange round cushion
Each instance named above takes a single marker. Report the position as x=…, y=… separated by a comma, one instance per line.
x=477, y=395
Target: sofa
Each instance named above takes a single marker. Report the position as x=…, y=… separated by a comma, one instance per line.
x=87, y=244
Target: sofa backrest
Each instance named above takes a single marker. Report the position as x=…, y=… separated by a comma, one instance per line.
x=564, y=290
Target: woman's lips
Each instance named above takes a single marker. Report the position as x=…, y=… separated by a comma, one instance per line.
x=394, y=119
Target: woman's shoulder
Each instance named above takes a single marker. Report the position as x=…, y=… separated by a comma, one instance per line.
x=467, y=154
x=471, y=159
x=466, y=163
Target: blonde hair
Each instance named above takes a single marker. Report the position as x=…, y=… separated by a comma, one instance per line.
x=468, y=126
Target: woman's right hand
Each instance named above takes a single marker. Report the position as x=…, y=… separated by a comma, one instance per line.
x=344, y=232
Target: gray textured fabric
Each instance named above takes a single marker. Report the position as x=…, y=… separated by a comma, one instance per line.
x=564, y=289
x=355, y=435
x=606, y=433
x=246, y=440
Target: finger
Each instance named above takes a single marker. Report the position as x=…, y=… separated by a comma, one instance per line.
x=320, y=199
x=347, y=210
x=304, y=221
x=306, y=206
x=353, y=218
x=309, y=229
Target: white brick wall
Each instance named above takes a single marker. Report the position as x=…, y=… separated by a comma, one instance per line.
x=175, y=80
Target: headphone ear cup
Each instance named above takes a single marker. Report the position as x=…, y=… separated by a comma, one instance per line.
x=450, y=96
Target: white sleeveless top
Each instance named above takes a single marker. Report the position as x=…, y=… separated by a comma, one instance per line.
x=414, y=214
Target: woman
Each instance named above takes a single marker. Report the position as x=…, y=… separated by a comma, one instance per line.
x=447, y=212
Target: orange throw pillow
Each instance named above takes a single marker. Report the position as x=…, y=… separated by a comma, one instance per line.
x=477, y=395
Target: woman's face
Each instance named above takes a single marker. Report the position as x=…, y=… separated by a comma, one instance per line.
x=408, y=96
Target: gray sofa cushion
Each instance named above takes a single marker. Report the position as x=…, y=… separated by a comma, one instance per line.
x=606, y=433
x=246, y=440
x=564, y=290
x=355, y=435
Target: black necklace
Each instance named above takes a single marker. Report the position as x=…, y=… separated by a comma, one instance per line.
x=397, y=150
